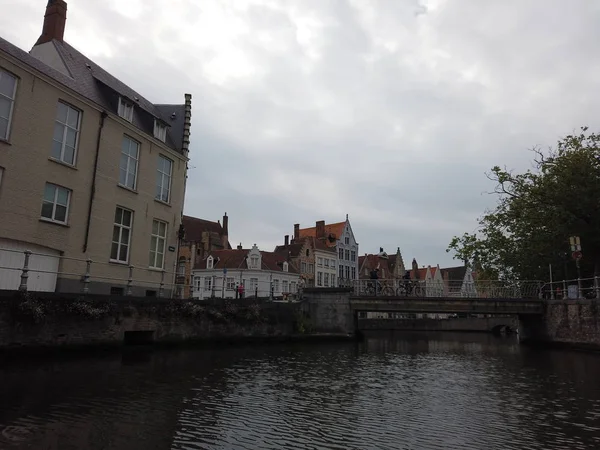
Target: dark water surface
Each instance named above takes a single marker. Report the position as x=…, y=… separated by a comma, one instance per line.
x=403, y=392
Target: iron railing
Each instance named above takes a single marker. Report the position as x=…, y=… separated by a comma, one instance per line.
x=448, y=288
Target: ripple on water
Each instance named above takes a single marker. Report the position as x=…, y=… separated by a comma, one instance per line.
x=380, y=395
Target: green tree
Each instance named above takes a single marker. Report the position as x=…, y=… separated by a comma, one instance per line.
x=537, y=212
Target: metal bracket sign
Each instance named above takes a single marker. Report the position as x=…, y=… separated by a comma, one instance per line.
x=575, y=244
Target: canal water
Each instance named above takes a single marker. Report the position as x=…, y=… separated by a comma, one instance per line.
x=448, y=391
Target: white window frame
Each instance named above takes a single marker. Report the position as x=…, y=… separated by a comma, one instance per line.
x=159, y=249
x=320, y=261
x=254, y=262
x=208, y=282
x=54, y=203
x=275, y=286
x=121, y=226
x=163, y=176
x=326, y=279
x=210, y=262
x=11, y=100
x=292, y=286
x=65, y=126
x=197, y=284
x=230, y=283
x=285, y=288
x=333, y=280
x=129, y=162
x=125, y=109
x=160, y=130
x=253, y=285
x=319, y=278
x=285, y=266
x=341, y=253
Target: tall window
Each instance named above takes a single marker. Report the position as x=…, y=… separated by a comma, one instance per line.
x=160, y=130
x=347, y=240
x=55, y=206
x=158, y=240
x=197, y=283
x=354, y=273
x=254, y=262
x=326, y=281
x=125, y=109
x=66, y=133
x=293, y=286
x=230, y=286
x=253, y=285
x=275, y=285
x=347, y=272
x=163, y=179
x=130, y=150
x=284, y=286
x=319, y=278
x=352, y=255
x=208, y=283
x=121, y=240
x=341, y=253
x=8, y=89
x=340, y=271
x=320, y=261
x=332, y=280
x=303, y=267
x=347, y=255
x=209, y=262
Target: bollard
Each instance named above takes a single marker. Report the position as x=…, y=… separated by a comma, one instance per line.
x=162, y=284
x=86, y=277
x=130, y=281
x=25, y=272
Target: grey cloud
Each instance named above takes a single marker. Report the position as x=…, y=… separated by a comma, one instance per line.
x=390, y=111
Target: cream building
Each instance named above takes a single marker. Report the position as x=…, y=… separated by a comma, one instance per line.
x=89, y=169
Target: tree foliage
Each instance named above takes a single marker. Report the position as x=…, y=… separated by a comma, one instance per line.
x=537, y=212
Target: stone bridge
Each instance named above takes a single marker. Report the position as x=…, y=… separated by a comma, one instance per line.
x=336, y=310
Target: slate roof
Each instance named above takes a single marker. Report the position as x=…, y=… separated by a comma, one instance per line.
x=97, y=85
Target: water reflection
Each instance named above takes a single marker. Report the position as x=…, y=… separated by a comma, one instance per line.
x=408, y=391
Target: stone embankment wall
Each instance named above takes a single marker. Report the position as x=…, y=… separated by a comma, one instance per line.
x=53, y=320
x=573, y=323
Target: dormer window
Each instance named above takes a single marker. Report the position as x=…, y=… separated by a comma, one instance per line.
x=125, y=109
x=160, y=130
x=285, y=266
x=210, y=262
x=254, y=262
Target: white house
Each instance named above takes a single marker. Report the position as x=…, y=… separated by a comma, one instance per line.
x=262, y=274
x=341, y=237
x=325, y=266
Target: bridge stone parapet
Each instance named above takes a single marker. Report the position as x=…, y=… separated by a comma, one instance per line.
x=569, y=322
x=474, y=324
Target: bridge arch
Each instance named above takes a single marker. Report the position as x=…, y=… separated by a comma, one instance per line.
x=501, y=329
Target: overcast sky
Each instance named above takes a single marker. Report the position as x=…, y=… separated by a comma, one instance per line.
x=390, y=111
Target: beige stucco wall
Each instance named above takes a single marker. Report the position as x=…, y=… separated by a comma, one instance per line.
x=27, y=167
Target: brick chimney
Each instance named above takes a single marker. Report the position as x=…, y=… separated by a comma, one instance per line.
x=225, y=233
x=320, y=229
x=239, y=247
x=286, y=240
x=54, y=22
x=296, y=231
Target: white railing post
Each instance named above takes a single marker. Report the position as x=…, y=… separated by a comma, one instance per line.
x=129, y=281
x=86, y=277
x=25, y=272
x=162, y=284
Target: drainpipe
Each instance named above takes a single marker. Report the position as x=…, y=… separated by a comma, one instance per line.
x=103, y=117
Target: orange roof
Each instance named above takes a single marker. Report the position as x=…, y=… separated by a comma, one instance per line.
x=333, y=228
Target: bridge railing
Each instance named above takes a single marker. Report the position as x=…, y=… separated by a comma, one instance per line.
x=448, y=288
x=572, y=289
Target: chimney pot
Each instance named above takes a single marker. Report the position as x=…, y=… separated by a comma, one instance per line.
x=296, y=231
x=320, y=229
x=287, y=240
x=55, y=20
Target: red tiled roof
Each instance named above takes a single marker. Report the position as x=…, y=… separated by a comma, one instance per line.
x=194, y=228
x=336, y=229
x=236, y=259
